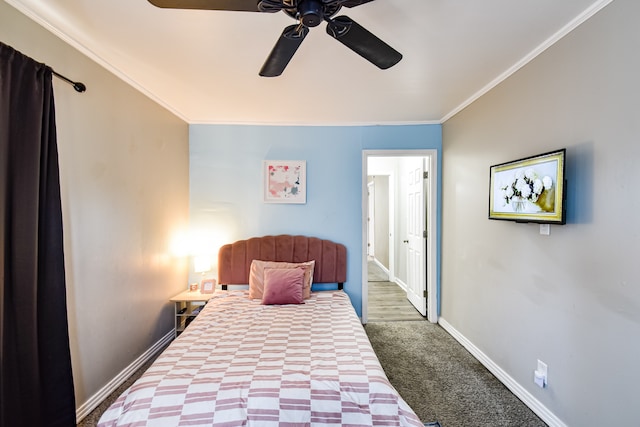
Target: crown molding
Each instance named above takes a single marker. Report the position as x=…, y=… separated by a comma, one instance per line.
x=572, y=25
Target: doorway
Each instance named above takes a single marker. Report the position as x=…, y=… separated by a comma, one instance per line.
x=402, y=238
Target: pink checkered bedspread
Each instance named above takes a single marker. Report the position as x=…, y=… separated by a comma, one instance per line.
x=241, y=363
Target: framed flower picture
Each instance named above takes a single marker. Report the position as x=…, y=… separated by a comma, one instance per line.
x=529, y=190
x=285, y=181
x=208, y=286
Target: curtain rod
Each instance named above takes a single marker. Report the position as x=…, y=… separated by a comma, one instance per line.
x=79, y=87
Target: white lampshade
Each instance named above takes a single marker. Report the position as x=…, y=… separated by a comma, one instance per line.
x=201, y=264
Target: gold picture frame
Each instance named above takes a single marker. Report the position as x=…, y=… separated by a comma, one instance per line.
x=530, y=189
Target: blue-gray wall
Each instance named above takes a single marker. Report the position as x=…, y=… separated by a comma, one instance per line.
x=226, y=183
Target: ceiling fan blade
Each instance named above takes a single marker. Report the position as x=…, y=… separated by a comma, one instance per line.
x=235, y=5
x=283, y=51
x=364, y=43
x=354, y=3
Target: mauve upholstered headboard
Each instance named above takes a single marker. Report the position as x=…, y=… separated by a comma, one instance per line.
x=234, y=259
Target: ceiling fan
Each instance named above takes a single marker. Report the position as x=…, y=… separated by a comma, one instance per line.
x=308, y=13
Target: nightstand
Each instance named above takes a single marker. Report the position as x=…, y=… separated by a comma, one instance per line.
x=187, y=306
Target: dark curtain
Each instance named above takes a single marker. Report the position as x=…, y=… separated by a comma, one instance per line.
x=36, y=381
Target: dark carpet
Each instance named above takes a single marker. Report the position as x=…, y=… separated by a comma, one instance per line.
x=442, y=381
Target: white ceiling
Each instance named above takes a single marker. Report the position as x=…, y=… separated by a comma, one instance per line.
x=203, y=65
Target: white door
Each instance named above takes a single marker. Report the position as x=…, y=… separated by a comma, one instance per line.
x=417, y=236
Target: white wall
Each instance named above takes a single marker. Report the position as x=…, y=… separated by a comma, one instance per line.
x=571, y=299
x=124, y=178
x=387, y=166
x=381, y=213
x=397, y=168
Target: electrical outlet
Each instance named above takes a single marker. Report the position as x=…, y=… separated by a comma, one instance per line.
x=544, y=229
x=540, y=374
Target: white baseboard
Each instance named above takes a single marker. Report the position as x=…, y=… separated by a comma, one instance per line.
x=400, y=283
x=534, y=404
x=95, y=400
x=379, y=264
x=391, y=279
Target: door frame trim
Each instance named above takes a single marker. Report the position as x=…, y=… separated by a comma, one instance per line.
x=432, y=211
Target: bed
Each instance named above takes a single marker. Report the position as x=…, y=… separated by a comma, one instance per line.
x=248, y=361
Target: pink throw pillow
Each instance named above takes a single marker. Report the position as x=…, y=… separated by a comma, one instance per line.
x=283, y=286
x=256, y=276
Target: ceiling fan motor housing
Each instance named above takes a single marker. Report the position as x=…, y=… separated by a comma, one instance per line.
x=310, y=12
